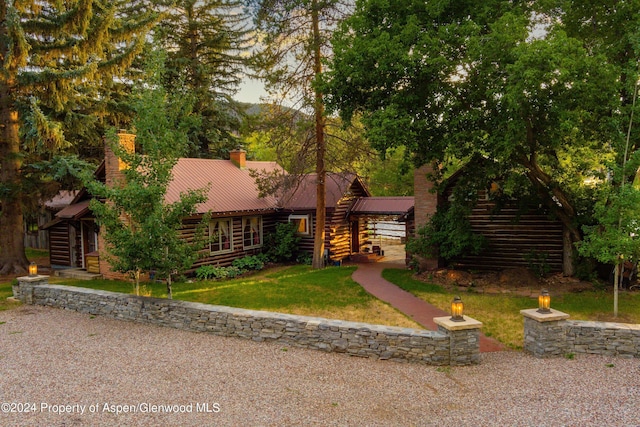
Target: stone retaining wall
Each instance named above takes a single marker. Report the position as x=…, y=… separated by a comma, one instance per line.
x=555, y=335
x=357, y=339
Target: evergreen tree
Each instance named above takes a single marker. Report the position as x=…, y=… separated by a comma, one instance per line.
x=295, y=35
x=55, y=57
x=207, y=45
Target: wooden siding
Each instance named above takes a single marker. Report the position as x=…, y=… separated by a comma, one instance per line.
x=512, y=236
x=339, y=235
x=306, y=241
x=37, y=239
x=59, y=245
x=226, y=259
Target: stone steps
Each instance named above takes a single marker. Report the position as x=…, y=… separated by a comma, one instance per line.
x=76, y=273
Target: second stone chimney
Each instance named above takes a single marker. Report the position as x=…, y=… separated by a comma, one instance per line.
x=238, y=157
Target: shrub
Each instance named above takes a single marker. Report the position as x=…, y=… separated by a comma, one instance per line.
x=238, y=267
x=304, y=258
x=537, y=262
x=283, y=243
x=450, y=232
x=208, y=272
x=252, y=262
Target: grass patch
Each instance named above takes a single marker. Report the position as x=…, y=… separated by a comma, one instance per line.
x=500, y=314
x=598, y=305
x=6, y=291
x=328, y=292
x=32, y=253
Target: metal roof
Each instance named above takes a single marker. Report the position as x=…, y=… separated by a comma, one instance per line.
x=383, y=205
x=230, y=189
x=303, y=196
x=74, y=211
x=61, y=200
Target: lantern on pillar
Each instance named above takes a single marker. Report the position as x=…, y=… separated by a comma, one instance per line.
x=457, y=308
x=33, y=269
x=544, y=302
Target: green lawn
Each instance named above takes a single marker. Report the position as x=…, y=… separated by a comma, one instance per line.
x=329, y=293
x=6, y=292
x=5, y=287
x=500, y=314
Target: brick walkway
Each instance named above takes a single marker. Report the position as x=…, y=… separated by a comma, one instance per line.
x=369, y=276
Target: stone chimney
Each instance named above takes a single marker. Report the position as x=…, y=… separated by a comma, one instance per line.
x=113, y=164
x=426, y=204
x=426, y=200
x=113, y=176
x=238, y=157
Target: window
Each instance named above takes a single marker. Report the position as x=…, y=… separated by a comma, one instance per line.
x=31, y=224
x=221, y=235
x=252, y=232
x=302, y=222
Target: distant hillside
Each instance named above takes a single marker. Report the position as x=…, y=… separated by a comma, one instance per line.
x=256, y=110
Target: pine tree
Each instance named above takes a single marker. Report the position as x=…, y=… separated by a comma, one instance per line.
x=206, y=44
x=55, y=57
x=296, y=41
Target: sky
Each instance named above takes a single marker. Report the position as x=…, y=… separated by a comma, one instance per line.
x=250, y=91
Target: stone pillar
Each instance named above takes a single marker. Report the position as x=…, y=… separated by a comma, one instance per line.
x=464, y=338
x=23, y=291
x=545, y=333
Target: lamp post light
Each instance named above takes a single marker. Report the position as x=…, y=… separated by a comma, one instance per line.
x=544, y=302
x=457, y=308
x=33, y=269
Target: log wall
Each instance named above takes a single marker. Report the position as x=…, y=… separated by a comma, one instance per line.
x=512, y=236
x=226, y=259
x=59, y=244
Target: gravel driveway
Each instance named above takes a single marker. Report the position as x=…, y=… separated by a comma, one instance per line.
x=71, y=369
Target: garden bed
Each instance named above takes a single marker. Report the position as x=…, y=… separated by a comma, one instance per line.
x=517, y=281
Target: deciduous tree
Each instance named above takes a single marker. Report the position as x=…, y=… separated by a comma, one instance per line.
x=527, y=86
x=142, y=231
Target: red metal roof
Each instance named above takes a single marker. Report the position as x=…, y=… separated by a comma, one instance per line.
x=234, y=190
x=383, y=205
x=304, y=196
x=231, y=189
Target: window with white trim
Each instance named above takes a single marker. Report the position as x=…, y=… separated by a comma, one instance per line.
x=252, y=232
x=302, y=222
x=221, y=235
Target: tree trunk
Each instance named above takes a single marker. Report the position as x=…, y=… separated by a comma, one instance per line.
x=12, y=257
x=616, y=279
x=568, y=254
x=318, y=242
x=169, y=290
x=558, y=202
x=136, y=279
